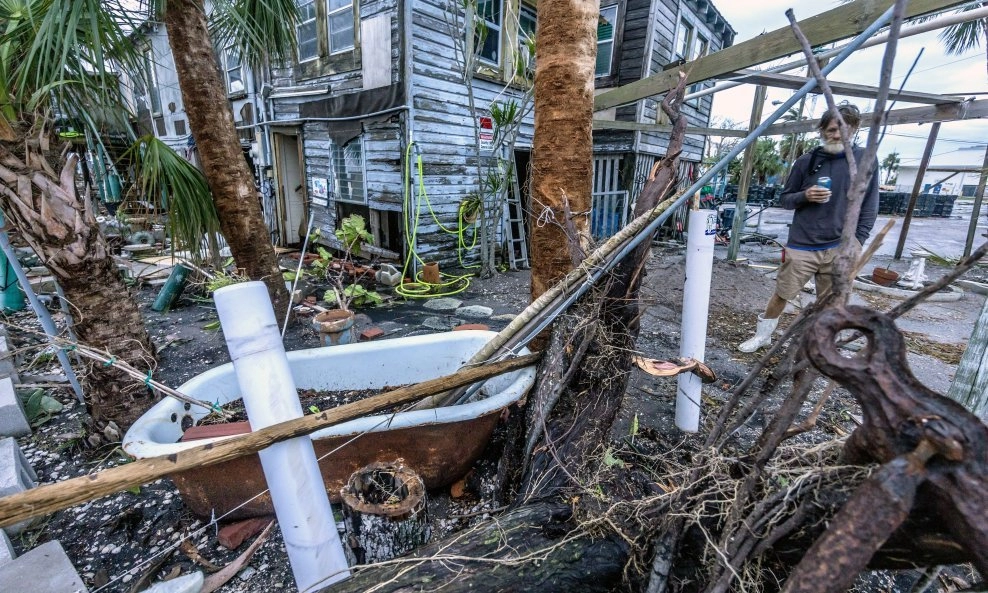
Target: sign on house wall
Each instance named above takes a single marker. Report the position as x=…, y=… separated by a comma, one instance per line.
x=320, y=192
x=486, y=126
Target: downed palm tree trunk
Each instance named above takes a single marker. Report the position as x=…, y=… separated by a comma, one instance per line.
x=384, y=512
x=526, y=549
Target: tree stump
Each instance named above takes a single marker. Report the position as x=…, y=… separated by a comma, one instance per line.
x=384, y=512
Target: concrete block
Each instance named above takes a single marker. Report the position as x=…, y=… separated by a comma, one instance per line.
x=16, y=475
x=45, y=569
x=7, y=367
x=13, y=422
x=7, y=554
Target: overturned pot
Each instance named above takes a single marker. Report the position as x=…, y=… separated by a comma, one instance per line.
x=884, y=276
x=335, y=327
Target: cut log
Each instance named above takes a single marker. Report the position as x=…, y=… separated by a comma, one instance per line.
x=384, y=512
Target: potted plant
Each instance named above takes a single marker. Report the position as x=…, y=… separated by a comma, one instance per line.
x=469, y=209
x=346, y=293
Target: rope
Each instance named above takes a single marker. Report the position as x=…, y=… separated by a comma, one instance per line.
x=449, y=284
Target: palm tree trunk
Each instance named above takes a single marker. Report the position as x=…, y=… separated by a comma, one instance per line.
x=223, y=163
x=562, y=153
x=60, y=226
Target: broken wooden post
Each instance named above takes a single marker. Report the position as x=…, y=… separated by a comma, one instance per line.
x=384, y=511
x=744, y=183
x=917, y=186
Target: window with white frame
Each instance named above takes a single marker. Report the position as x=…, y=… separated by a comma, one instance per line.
x=307, y=31
x=605, y=40
x=348, y=169
x=487, y=31
x=234, y=71
x=341, y=26
x=684, y=40
x=526, y=35
x=146, y=88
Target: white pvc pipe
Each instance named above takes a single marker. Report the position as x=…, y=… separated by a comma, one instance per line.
x=290, y=468
x=696, y=300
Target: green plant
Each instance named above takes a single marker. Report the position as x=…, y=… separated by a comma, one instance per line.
x=224, y=278
x=39, y=407
x=354, y=295
x=352, y=232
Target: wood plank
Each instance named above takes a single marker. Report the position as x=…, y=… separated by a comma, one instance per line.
x=833, y=25
x=913, y=115
x=789, y=81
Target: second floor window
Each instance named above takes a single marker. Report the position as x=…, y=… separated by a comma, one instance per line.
x=605, y=40
x=306, y=31
x=526, y=34
x=234, y=72
x=685, y=40
x=487, y=35
x=341, y=37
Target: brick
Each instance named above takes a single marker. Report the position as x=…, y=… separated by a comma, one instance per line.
x=7, y=554
x=371, y=333
x=45, y=569
x=468, y=326
x=209, y=431
x=7, y=368
x=13, y=423
x=234, y=534
x=16, y=475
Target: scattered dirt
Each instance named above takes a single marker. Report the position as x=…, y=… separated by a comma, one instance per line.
x=133, y=537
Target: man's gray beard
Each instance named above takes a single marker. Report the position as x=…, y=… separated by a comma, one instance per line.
x=833, y=147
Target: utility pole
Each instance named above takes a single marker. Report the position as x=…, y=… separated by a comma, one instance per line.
x=923, y=164
x=747, y=164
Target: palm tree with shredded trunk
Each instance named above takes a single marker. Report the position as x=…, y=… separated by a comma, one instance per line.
x=63, y=60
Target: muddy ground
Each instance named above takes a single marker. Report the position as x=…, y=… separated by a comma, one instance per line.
x=121, y=542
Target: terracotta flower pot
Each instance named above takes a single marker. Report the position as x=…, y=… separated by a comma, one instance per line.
x=884, y=276
x=335, y=327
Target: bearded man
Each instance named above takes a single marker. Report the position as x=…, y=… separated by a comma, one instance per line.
x=816, y=191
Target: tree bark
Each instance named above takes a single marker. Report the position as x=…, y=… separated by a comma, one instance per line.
x=482, y=560
x=223, y=163
x=562, y=150
x=61, y=227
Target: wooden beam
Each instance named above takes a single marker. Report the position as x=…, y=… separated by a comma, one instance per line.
x=788, y=81
x=833, y=25
x=912, y=115
x=604, y=124
x=55, y=497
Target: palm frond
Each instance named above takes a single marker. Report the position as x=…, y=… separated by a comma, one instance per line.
x=162, y=172
x=260, y=30
x=65, y=51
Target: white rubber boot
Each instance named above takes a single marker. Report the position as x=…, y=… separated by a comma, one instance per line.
x=763, y=335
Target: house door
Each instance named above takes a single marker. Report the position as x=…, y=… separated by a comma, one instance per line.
x=610, y=207
x=291, y=187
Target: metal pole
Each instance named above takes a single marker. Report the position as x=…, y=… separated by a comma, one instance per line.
x=41, y=312
x=747, y=165
x=979, y=196
x=923, y=164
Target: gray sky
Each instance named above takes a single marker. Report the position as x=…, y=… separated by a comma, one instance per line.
x=936, y=72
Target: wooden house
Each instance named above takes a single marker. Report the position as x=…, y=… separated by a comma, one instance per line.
x=379, y=116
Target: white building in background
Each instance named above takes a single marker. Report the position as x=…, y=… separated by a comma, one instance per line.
x=956, y=172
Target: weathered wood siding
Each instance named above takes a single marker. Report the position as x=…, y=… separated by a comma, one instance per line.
x=383, y=138
x=444, y=128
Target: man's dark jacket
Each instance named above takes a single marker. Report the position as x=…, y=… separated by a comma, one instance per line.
x=819, y=226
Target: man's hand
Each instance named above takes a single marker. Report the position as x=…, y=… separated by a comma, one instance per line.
x=817, y=194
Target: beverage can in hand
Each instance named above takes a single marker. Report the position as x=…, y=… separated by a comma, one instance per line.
x=823, y=182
